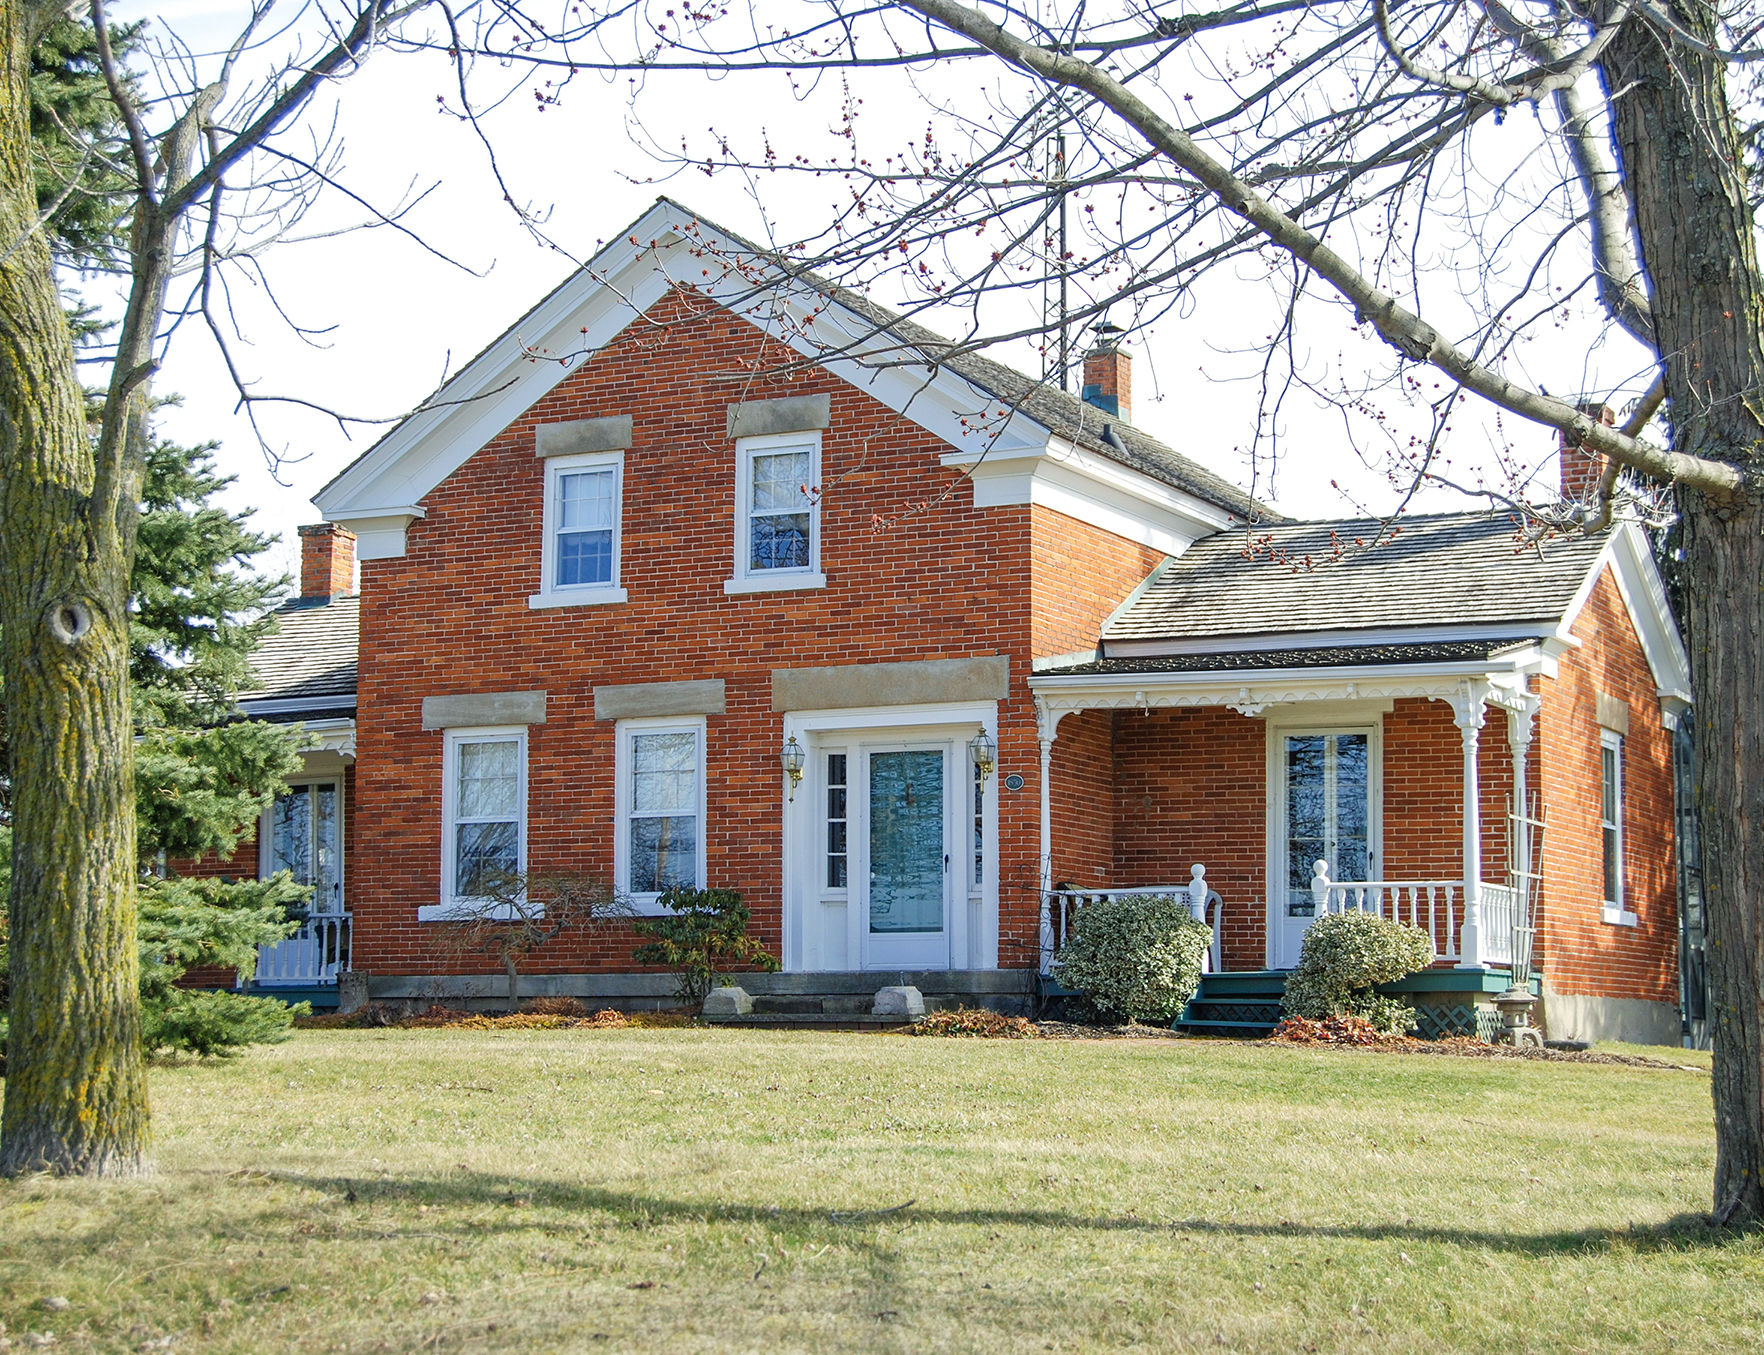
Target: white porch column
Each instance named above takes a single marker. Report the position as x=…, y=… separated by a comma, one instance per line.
x=1469, y=719
x=1047, y=725
x=1520, y=724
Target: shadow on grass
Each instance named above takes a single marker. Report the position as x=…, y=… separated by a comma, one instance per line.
x=1679, y=1234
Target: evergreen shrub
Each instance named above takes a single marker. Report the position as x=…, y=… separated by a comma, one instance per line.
x=1138, y=954
x=1344, y=958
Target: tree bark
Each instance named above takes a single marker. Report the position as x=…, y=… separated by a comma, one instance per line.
x=1681, y=159
x=76, y=1094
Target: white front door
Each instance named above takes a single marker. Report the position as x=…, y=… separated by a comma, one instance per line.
x=902, y=840
x=1327, y=784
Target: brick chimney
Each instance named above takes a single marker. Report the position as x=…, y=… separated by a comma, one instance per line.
x=327, y=561
x=1108, y=375
x=1580, y=467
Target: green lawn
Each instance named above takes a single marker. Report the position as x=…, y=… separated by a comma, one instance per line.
x=695, y=1190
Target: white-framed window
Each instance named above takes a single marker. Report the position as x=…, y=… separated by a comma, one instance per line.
x=659, y=780
x=777, y=514
x=579, y=563
x=1616, y=904
x=483, y=811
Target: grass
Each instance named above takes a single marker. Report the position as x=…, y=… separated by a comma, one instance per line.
x=698, y=1190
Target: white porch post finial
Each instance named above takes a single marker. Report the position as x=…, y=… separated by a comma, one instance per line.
x=1470, y=715
x=1320, y=887
x=1197, y=891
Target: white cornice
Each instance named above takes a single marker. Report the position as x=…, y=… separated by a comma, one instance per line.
x=1644, y=597
x=282, y=705
x=1066, y=478
x=665, y=250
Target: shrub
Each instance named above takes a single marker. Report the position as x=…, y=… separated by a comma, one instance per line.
x=976, y=1024
x=1344, y=957
x=706, y=934
x=1139, y=954
x=194, y=1021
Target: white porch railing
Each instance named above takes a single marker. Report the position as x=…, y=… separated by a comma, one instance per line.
x=1060, y=908
x=1500, y=915
x=1435, y=906
x=315, y=954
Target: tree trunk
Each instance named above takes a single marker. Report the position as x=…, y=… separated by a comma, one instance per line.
x=76, y=1094
x=514, y=985
x=1675, y=133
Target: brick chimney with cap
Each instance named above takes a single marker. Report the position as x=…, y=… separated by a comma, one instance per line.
x=1108, y=374
x=327, y=561
x=1581, y=467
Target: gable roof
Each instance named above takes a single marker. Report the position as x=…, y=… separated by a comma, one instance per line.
x=308, y=666
x=1461, y=570
x=903, y=365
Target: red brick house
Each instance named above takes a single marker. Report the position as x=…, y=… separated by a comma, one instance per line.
x=622, y=574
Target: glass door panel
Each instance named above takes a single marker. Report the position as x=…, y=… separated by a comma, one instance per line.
x=906, y=842
x=1328, y=804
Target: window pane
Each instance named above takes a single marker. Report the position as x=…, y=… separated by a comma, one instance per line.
x=326, y=896
x=1612, y=893
x=584, y=557
x=664, y=772
x=836, y=821
x=780, y=482
x=780, y=542
x=483, y=849
x=664, y=853
x=489, y=780
x=1608, y=786
x=291, y=833
x=585, y=500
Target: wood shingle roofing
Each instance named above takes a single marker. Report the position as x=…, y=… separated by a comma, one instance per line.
x=312, y=654
x=1457, y=570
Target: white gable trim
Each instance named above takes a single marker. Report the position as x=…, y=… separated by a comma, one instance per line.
x=667, y=247
x=1644, y=597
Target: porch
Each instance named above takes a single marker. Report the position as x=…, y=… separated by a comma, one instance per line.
x=1332, y=787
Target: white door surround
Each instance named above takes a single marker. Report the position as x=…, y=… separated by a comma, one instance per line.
x=826, y=891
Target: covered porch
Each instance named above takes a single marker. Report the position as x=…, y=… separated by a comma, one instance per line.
x=1269, y=789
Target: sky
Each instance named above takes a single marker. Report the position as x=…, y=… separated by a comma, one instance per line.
x=385, y=315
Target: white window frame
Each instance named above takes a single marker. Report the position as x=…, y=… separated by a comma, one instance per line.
x=1615, y=911
x=649, y=904
x=745, y=578
x=591, y=594
x=451, y=905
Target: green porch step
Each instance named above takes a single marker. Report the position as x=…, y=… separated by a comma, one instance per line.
x=1243, y=1004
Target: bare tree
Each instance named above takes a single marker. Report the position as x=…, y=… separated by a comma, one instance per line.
x=510, y=914
x=1457, y=178
x=213, y=165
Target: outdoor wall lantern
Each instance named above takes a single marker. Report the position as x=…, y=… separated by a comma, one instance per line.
x=984, y=752
x=793, y=759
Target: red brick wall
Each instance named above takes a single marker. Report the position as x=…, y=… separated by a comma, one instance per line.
x=1191, y=785
x=1078, y=575
x=1081, y=777
x=938, y=579
x=1424, y=792
x=1582, y=953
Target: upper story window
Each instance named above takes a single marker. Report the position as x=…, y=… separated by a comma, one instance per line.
x=1611, y=827
x=583, y=501
x=484, y=808
x=660, y=786
x=777, y=514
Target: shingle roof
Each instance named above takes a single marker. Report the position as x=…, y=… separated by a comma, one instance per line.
x=1332, y=656
x=1457, y=569
x=312, y=653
